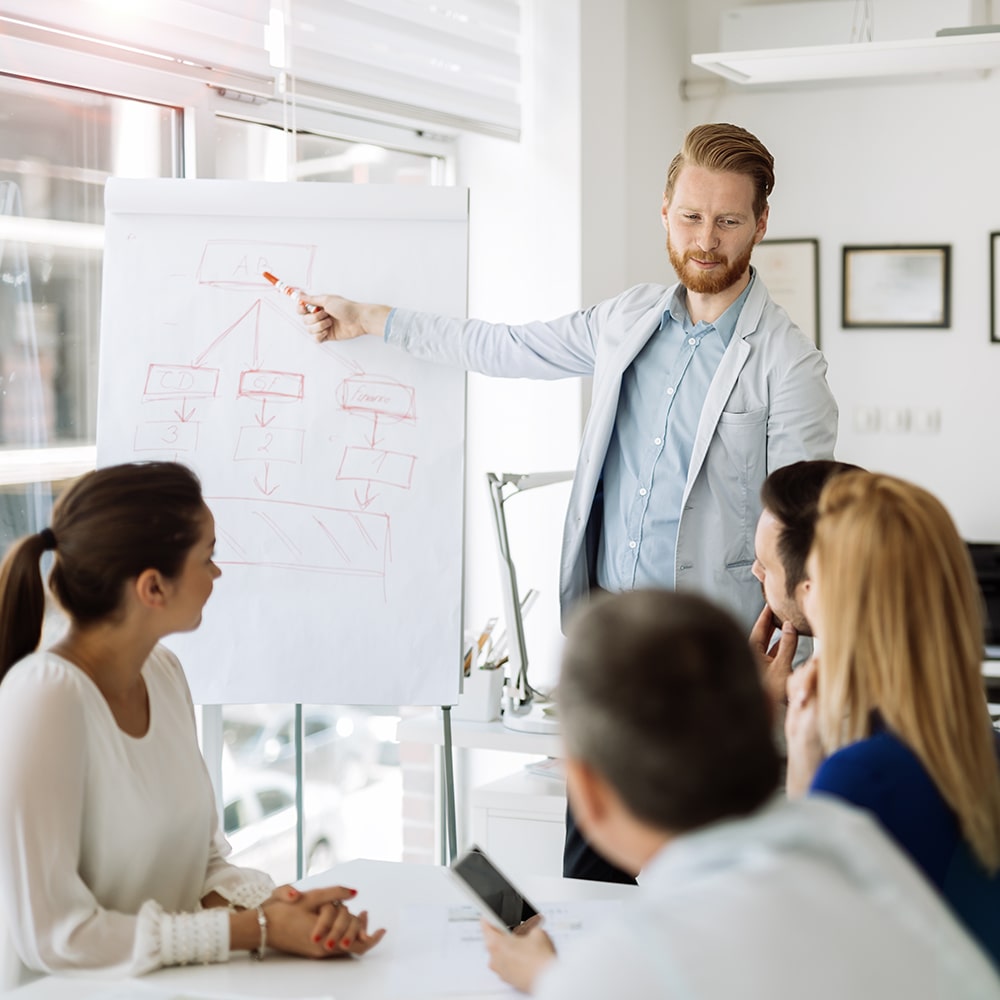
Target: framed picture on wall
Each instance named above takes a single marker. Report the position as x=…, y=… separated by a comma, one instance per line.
x=790, y=270
x=897, y=286
x=995, y=287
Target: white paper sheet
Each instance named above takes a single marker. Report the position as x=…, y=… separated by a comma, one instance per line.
x=441, y=950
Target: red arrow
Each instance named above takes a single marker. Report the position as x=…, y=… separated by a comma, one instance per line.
x=267, y=471
x=373, y=438
x=368, y=500
x=260, y=420
x=181, y=415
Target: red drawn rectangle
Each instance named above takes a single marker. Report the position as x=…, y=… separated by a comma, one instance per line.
x=180, y=382
x=242, y=263
x=270, y=444
x=260, y=384
x=383, y=397
x=377, y=466
x=166, y=435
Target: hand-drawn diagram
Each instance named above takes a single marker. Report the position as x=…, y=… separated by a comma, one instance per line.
x=335, y=470
x=267, y=525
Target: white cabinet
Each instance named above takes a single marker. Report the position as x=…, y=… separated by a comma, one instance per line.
x=520, y=821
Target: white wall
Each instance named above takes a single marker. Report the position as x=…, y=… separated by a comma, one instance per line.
x=887, y=163
x=524, y=263
x=566, y=217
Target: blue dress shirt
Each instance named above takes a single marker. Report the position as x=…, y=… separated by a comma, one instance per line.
x=646, y=468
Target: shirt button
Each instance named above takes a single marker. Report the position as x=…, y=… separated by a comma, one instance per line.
x=670, y=390
x=631, y=544
x=642, y=492
x=692, y=342
x=657, y=440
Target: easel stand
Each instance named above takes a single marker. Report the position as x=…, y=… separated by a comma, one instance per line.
x=449, y=843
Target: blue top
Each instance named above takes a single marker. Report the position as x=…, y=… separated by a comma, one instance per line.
x=646, y=467
x=882, y=774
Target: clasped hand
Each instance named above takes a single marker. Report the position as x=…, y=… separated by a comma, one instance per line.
x=317, y=923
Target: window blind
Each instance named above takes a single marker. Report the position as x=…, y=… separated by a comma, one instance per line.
x=453, y=63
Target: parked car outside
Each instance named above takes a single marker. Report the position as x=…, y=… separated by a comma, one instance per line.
x=259, y=821
x=342, y=746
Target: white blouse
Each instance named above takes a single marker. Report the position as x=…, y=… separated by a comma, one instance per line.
x=108, y=842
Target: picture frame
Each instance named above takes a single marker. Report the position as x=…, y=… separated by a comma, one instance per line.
x=904, y=287
x=995, y=288
x=790, y=270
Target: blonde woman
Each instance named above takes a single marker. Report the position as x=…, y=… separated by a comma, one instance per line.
x=892, y=715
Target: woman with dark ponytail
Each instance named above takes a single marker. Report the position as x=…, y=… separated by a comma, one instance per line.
x=110, y=852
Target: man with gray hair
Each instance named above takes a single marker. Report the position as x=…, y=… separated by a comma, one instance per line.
x=672, y=773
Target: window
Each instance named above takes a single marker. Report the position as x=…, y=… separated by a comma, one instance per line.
x=58, y=145
x=252, y=151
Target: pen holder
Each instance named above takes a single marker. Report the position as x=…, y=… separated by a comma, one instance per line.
x=480, y=697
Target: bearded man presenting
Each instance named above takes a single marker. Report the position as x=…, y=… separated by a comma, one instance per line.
x=701, y=389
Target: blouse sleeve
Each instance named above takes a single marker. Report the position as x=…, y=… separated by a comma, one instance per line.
x=240, y=886
x=53, y=918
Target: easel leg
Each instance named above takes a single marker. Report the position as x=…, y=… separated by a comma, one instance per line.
x=449, y=842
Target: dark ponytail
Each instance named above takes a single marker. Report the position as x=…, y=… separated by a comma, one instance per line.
x=107, y=528
x=22, y=600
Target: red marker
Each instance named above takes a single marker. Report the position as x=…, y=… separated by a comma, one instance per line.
x=290, y=290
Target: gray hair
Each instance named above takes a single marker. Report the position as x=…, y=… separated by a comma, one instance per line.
x=660, y=694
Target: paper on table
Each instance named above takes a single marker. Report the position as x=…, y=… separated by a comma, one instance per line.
x=440, y=949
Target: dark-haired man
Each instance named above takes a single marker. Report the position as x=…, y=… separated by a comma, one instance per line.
x=672, y=773
x=790, y=505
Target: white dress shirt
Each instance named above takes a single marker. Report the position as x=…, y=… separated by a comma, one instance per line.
x=802, y=899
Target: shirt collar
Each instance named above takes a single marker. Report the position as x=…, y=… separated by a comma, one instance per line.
x=725, y=325
x=716, y=845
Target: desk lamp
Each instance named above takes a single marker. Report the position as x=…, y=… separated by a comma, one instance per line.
x=520, y=713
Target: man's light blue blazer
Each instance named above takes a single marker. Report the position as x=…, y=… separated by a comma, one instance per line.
x=768, y=405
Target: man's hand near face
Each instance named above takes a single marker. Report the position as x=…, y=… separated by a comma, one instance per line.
x=774, y=659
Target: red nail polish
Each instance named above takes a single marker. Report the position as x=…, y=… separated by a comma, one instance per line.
x=330, y=945
x=316, y=938
x=353, y=892
x=346, y=943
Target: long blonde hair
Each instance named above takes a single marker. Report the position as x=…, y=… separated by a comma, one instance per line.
x=903, y=636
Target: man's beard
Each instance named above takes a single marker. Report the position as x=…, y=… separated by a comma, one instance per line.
x=789, y=611
x=710, y=282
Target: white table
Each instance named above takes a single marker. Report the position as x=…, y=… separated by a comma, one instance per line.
x=383, y=888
